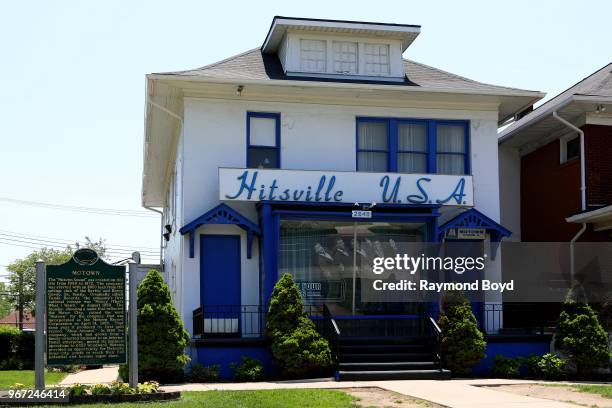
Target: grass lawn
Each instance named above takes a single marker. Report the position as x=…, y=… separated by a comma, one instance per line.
x=26, y=377
x=261, y=399
x=603, y=390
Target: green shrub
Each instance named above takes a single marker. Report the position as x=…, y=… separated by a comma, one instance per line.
x=8, y=341
x=580, y=336
x=25, y=348
x=505, y=367
x=551, y=367
x=200, y=373
x=162, y=337
x=148, y=387
x=120, y=388
x=298, y=349
x=100, y=389
x=77, y=389
x=530, y=367
x=462, y=342
x=249, y=370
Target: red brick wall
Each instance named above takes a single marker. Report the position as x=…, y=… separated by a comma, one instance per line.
x=550, y=192
x=598, y=151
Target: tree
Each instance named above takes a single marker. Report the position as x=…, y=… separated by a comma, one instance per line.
x=162, y=337
x=579, y=335
x=297, y=347
x=463, y=343
x=22, y=272
x=7, y=305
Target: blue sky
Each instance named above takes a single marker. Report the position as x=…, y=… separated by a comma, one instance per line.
x=73, y=84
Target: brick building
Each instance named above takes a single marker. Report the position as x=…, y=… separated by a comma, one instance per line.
x=556, y=167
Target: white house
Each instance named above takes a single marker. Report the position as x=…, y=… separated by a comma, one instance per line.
x=258, y=161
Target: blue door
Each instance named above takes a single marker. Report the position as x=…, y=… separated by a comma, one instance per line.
x=220, y=283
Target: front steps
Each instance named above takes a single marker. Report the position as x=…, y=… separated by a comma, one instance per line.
x=387, y=358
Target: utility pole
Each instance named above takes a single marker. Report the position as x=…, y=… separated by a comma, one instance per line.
x=20, y=299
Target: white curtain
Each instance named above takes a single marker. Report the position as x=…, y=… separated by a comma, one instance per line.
x=450, y=139
x=412, y=138
x=373, y=136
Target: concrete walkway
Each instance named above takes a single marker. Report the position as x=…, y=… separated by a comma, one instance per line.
x=467, y=393
x=453, y=393
x=99, y=375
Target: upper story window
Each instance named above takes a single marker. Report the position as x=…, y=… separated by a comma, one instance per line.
x=345, y=57
x=263, y=140
x=570, y=148
x=412, y=146
x=376, y=59
x=313, y=55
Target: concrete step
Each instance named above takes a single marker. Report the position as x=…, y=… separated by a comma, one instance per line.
x=393, y=375
x=389, y=366
x=382, y=357
x=383, y=348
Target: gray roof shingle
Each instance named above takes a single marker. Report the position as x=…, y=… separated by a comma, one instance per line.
x=254, y=65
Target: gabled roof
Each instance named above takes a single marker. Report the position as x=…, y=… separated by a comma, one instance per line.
x=255, y=65
x=594, y=89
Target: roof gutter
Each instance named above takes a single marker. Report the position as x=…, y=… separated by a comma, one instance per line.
x=343, y=85
x=582, y=157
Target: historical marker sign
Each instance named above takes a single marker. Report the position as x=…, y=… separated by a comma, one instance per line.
x=86, y=311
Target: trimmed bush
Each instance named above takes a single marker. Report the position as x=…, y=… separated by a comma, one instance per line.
x=463, y=343
x=298, y=349
x=581, y=338
x=551, y=367
x=505, y=367
x=200, y=373
x=25, y=349
x=250, y=369
x=8, y=342
x=162, y=337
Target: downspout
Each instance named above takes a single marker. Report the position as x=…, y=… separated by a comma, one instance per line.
x=582, y=160
x=582, y=191
x=161, y=236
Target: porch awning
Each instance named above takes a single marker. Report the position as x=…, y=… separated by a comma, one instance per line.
x=600, y=218
x=221, y=214
x=474, y=219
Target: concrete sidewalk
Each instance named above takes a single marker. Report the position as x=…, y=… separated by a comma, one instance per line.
x=452, y=393
x=99, y=375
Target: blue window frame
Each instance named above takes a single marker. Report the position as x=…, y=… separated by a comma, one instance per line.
x=413, y=145
x=263, y=140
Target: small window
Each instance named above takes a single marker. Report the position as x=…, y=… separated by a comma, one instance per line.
x=263, y=140
x=451, y=149
x=345, y=57
x=373, y=147
x=572, y=149
x=313, y=55
x=376, y=59
x=412, y=148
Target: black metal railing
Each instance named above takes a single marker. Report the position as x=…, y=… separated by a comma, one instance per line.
x=519, y=318
x=435, y=333
x=228, y=321
x=330, y=330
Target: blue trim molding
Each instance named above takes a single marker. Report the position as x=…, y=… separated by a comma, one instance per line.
x=221, y=214
x=473, y=218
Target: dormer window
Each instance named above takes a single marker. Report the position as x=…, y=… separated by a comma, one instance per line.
x=340, y=50
x=376, y=59
x=313, y=55
x=345, y=57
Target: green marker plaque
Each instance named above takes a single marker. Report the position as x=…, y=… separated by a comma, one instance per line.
x=86, y=311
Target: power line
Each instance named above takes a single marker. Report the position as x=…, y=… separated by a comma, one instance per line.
x=63, y=246
x=73, y=208
x=9, y=235
x=110, y=253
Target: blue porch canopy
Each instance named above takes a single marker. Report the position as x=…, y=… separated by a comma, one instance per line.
x=474, y=219
x=221, y=214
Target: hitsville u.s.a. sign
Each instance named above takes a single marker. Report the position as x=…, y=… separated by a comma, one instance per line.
x=324, y=187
